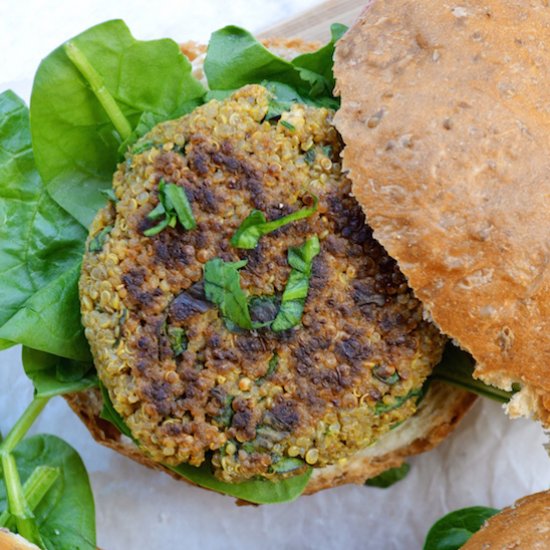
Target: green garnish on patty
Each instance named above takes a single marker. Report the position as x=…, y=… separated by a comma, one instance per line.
x=295, y=294
x=255, y=225
x=173, y=206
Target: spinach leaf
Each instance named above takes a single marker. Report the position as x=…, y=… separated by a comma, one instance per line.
x=65, y=515
x=222, y=286
x=316, y=68
x=297, y=286
x=457, y=368
x=261, y=491
x=109, y=413
x=50, y=319
x=453, y=530
x=381, y=408
x=75, y=140
x=255, y=225
x=52, y=375
x=39, y=241
x=389, y=477
x=235, y=58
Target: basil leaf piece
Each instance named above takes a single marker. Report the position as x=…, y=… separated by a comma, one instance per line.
x=389, y=477
x=452, y=531
x=297, y=286
x=52, y=375
x=255, y=225
x=261, y=491
x=222, y=286
x=75, y=140
x=173, y=204
x=457, y=367
x=66, y=514
x=39, y=241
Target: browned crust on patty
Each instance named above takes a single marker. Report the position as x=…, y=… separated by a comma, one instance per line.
x=439, y=413
x=526, y=524
x=446, y=123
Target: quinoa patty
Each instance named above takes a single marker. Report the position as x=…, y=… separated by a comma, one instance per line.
x=257, y=402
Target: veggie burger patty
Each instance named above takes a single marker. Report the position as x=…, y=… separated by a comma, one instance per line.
x=236, y=304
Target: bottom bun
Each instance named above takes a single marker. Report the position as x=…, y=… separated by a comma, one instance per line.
x=437, y=416
x=10, y=541
x=526, y=524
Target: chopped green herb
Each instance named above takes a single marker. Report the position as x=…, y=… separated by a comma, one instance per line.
x=271, y=368
x=97, y=242
x=173, y=206
x=381, y=374
x=178, y=340
x=297, y=286
x=110, y=194
x=222, y=286
x=327, y=150
x=287, y=125
x=286, y=464
x=381, y=408
x=226, y=414
x=255, y=225
x=310, y=155
x=389, y=477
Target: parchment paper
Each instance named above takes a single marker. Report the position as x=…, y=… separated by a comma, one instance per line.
x=490, y=460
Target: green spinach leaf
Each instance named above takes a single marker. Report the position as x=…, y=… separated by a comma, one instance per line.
x=235, y=58
x=255, y=225
x=109, y=413
x=316, y=67
x=50, y=319
x=52, y=375
x=457, y=367
x=75, y=140
x=389, y=477
x=65, y=515
x=257, y=491
x=297, y=286
x=452, y=531
x=39, y=241
x=222, y=286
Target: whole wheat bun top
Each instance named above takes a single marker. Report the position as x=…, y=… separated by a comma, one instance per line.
x=446, y=119
x=526, y=524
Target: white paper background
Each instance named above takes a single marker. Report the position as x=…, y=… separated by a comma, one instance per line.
x=489, y=461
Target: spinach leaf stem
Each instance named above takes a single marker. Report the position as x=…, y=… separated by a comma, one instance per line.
x=80, y=61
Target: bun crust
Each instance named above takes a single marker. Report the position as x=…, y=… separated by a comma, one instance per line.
x=10, y=541
x=438, y=414
x=446, y=119
x=526, y=524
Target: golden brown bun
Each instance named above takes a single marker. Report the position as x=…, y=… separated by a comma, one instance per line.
x=9, y=541
x=438, y=414
x=446, y=119
x=526, y=525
